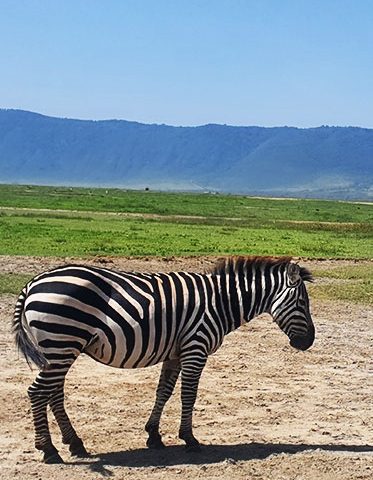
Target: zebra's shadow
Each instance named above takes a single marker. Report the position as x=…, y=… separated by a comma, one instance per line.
x=178, y=456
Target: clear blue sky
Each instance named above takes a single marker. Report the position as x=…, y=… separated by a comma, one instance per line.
x=190, y=62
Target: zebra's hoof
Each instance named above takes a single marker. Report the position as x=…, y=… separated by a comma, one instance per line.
x=155, y=443
x=77, y=449
x=52, y=458
x=191, y=443
x=82, y=453
x=193, y=446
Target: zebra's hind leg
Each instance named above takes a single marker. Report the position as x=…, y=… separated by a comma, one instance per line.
x=39, y=393
x=69, y=435
x=167, y=380
x=191, y=370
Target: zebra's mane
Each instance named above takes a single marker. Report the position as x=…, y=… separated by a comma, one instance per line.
x=242, y=264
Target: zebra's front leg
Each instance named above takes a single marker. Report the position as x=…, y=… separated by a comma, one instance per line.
x=167, y=380
x=69, y=435
x=191, y=370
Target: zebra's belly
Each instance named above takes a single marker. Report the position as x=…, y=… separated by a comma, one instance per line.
x=137, y=354
x=97, y=352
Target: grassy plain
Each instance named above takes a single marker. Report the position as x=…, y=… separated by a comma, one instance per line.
x=13, y=282
x=353, y=283
x=250, y=209
x=64, y=221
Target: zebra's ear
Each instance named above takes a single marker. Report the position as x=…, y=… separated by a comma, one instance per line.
x=293, y=271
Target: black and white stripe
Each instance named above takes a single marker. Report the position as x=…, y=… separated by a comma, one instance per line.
x=131, y=320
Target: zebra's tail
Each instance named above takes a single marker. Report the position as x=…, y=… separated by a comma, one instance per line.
x=22, y=339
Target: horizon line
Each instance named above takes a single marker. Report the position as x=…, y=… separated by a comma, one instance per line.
x=177, y=126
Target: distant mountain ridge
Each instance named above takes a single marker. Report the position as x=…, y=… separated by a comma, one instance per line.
x=326, y=162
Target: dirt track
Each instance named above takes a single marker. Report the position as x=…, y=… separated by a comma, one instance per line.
x=263, y=410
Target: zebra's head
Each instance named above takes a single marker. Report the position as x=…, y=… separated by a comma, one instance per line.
x=290, y=307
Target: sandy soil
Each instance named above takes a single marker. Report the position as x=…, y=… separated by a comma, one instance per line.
x=263, y=410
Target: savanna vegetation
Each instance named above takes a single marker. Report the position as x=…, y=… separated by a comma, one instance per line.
x=83, y=222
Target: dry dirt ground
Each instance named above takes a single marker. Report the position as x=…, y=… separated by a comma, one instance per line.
x=264, y=410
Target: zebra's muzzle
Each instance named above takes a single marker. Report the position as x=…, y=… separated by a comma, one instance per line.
x=303, y=342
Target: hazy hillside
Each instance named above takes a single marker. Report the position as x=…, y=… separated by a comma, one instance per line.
x=325, y=162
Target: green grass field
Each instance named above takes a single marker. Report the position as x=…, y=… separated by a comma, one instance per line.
x=83, y=222
x=353, y=283
x=205, y=205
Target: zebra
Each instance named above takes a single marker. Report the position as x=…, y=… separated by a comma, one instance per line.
x=134, y=320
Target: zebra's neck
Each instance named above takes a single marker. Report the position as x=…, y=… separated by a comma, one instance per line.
x=245, y=295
